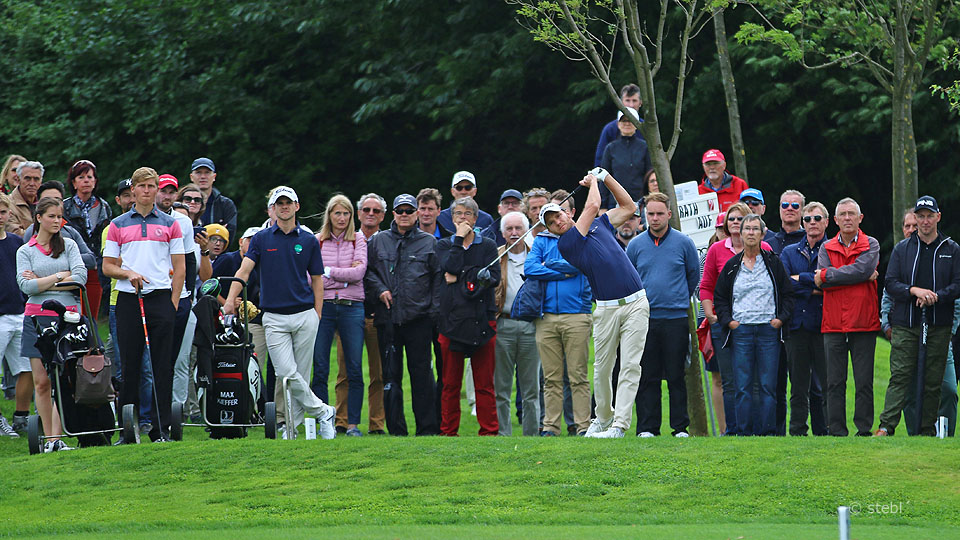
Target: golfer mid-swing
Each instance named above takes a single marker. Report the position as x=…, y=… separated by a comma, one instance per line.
x=622, y=312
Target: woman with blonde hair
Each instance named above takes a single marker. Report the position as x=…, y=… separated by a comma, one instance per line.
x=345, y=262
x=8, y=177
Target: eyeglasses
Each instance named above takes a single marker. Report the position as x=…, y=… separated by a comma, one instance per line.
x=794, y=205
x=734, y=218
x=808, y=219
x=404, y=211
x=462, y=213
x=196, y=200
x=217, y=240
x=368, y=210
x=749, y=229
x=463, y=187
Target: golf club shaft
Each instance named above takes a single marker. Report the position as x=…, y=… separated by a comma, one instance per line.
x=494, y=261
x=153, y=375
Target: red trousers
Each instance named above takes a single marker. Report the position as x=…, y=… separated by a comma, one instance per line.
x=93, y=293
x=483, y=361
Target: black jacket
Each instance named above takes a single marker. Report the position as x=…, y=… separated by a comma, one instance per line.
x=74, y=216
x=723, y=292
x=467, y=306
x=901, y=275
x=628, y=160
x=408, y=267
x=222, y=211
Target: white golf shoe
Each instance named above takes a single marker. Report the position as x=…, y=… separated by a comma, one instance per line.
x=596, y=427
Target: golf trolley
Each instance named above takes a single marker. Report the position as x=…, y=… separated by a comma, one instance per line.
x=229, y=384
x=80, y=378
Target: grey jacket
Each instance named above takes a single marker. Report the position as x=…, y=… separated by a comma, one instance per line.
x=408, y=267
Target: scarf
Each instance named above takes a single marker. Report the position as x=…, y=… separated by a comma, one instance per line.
x=85, y=207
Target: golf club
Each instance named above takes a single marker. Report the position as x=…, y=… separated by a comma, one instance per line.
x=153, y=376
x=484, y=274
x=921, y=365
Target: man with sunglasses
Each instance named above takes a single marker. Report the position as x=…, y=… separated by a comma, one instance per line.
x=403, y=281
x=791, y=232
x=464, y=184
x=804, y=342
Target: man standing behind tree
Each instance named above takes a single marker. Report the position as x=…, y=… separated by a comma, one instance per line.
x=923, y=275
x=630, y=97
x=150, y=245
x=218, y=208
x=669, y=267
x=847, y=274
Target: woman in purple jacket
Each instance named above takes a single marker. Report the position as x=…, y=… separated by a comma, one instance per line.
x=345, y=262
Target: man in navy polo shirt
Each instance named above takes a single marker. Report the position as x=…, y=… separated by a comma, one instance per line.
x=285, y=254
x=622, y=313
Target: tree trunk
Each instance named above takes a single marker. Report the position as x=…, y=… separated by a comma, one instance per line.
x=696, y=406
x=730, y=91
x=903, y=147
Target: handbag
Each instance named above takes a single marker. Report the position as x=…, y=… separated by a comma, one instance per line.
x=94, y=384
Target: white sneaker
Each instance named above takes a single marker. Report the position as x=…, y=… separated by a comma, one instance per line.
x=596, y=427
x=55, y=446
x=682, y=435
x=325, y=423
x=6, y=430
x=645, y=434
x=287, y=435
x=612, y=433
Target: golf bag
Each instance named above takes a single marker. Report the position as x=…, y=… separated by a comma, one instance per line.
x=228, y=374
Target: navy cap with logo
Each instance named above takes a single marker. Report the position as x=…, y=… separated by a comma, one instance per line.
x=927, y=203
x=203, y=162
x=511, y=193
x=403, y=199
x=124, y=185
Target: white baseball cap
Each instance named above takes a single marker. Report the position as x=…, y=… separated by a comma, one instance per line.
x=549, y=207
x=460, y=176
x=250, y=232
x=283, y=191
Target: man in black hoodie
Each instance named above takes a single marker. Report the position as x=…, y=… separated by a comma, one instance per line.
x=923, y=275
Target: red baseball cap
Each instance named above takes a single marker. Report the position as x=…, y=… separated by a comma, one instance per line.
x=712, y=155
x=168, y=180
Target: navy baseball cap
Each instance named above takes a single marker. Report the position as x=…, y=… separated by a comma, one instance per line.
x=752, y=193
x=404, y=198
x=927, y=203
x=203, y=162
x=124, y=185
x=511, y=193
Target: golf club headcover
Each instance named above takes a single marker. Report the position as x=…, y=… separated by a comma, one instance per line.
x=53, y=305
x=247, y=311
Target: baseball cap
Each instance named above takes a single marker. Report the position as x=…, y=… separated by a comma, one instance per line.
x=927, y=203
x=460, y=176
x=218, y=230
x=752, y=193
x=124, y=185
x=549, y=207
x=712, y=155
x=511, y=193
x=282, y=191
x=633, y=112
x=203, y=162
x=404, y=198
x=250, y=232
x=721, y=217
x=168, y=180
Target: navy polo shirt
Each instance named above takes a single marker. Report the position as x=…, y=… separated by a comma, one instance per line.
x=285, y=261
x=599, y=256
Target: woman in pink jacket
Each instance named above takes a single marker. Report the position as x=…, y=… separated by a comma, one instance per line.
x=344, y=264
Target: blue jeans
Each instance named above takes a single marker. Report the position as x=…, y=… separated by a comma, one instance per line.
x=146, y=374
x=756, y=353
x=348, y=322
x=724, y=359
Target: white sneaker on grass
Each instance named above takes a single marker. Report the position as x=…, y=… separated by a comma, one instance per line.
x=612, y=433
x=645, y=434
x=6, y=430
x=682, y=435
x=55, y=446
x=325, y=423
x=597, y=427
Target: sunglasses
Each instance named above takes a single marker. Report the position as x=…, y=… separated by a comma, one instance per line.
x=794, y=205
x=752, y=203
x=404, y=211
x=197, y=200
x=373, y=210
x=808, y=219
x=734, y=219
x=463, y=187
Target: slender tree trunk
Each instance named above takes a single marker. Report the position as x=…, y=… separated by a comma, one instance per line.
x=903, y=147
x=730, y=91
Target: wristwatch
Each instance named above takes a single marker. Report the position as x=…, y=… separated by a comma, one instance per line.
x=59, y=277
x=205, y=253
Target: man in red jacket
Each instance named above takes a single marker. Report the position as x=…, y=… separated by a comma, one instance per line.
x=847, y=275
x=717, y=180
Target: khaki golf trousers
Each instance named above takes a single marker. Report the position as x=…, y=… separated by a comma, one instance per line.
x=624, y=326
x=563, y=338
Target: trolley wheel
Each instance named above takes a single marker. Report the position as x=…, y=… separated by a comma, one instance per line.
x=130, y=434
x=270, y=420
x=176, y=421
x=34, y=433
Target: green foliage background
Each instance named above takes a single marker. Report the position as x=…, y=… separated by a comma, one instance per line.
x=395, y=95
